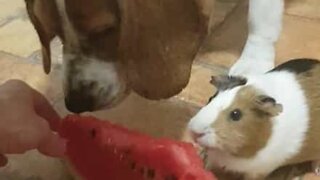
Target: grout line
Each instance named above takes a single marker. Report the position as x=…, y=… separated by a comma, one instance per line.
x=302, y=17
x=11, y=54
x=20, y=14
x=185, y=101
x=7, y=20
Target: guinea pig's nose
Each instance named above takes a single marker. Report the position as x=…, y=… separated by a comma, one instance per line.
x=78, y=102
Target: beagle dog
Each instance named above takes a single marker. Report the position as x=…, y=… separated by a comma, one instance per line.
x=113, y=46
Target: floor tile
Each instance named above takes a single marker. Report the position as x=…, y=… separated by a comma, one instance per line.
x=304, y=8
x=300, y=38
x=19, y=38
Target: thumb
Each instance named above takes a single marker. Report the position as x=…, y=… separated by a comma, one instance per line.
x=45, y=110
x=3, y=160
x=53, y=145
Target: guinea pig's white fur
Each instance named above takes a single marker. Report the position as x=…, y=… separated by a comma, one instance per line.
x=288, y=128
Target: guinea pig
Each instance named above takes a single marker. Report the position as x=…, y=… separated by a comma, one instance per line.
x=256, y=124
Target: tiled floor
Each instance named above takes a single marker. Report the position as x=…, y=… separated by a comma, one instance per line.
x=20, y=49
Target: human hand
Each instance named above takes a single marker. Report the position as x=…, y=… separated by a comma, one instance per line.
x=26, y=122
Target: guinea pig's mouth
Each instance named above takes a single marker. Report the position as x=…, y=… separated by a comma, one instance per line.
x=206, y=142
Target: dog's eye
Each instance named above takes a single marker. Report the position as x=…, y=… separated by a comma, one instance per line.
x=235, y=115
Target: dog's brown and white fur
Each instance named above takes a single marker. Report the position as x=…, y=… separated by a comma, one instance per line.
x=112, y=46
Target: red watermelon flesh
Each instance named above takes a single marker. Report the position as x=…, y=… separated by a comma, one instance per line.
x=100, y=150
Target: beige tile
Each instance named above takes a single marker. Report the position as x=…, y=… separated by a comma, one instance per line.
x=19, y=38
x=199, y=90
x=17, y=35
x=225, y=44
x=219, y=60
x=56, y=53
x=304, y=8
x=10, y=9
x=13, y=67
x=300, y=38
x=33, y=165
x=221, y=9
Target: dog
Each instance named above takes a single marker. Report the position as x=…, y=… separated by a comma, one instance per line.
x=111, y=47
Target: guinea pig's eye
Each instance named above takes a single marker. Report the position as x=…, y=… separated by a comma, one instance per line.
x=235, y=115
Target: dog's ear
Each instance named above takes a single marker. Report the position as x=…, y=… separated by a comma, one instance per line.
x=159, y=40
x=45, y=19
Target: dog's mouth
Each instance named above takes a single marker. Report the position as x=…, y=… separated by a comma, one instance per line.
x=87, y=101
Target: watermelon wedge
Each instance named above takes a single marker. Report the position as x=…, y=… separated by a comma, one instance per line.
x=99, y=150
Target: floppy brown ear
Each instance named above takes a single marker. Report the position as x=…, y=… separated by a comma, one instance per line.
x=159, y=40
x=45, y=19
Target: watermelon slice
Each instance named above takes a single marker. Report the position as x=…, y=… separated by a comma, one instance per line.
x=100, y=150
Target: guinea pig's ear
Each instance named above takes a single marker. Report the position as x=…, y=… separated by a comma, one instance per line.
x=268, y=105
x=227, y=82
x=159, y=40
x=45, y=19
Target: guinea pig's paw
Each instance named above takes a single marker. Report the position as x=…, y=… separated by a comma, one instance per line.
x=246, y=66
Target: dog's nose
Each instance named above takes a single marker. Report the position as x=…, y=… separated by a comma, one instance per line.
x=78, y=103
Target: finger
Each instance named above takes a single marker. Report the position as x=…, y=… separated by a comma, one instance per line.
x=53, y=146
x=29, y=137
x=44, y=109
x=40, y=103
x=50, y=143
x=36, y=135
x=3, y=160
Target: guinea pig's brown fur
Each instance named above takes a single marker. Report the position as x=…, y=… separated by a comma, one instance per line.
x=244, y=140
x=271, y=120
x=310, y=82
